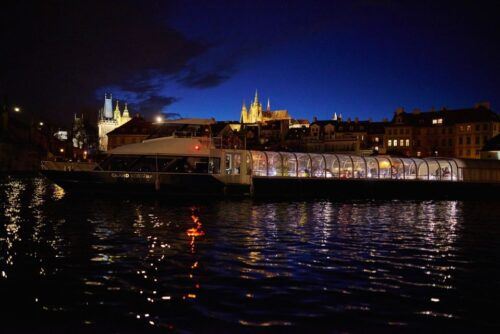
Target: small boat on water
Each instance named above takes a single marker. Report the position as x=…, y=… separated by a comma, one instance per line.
x=189, y=164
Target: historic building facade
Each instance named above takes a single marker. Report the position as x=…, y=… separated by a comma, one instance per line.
x=336, y=135
x=109, y=120
x=255, y=114
x=459, y=133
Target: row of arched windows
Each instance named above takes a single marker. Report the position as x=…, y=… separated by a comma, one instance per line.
x=343, y=166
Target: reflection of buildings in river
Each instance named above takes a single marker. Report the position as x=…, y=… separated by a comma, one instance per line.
x=36, y=229
x=276, y=233
x=193, y=233
x=323, y=216
x=438, y=222
x=145, y=225
x=12, y=212
x=156, y=264
x=58, y=192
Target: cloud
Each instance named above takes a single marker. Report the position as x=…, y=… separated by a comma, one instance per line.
x=203, y=80
x=152, y=104
x=56, y=54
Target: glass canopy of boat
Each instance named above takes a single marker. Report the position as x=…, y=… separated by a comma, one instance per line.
x=343, y=166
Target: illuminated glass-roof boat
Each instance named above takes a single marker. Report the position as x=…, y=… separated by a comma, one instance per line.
x=185, y=165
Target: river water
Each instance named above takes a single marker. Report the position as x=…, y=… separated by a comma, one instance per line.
x=102, y=264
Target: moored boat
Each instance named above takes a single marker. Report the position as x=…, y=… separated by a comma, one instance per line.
x=186, y=164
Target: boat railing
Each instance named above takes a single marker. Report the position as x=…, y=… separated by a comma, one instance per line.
x=68, y=166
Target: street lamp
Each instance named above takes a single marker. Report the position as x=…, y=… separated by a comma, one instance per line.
x=41, y=123
x=159, y=119
x=17, y=109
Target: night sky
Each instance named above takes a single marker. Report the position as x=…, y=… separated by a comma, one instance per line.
x=201, y=59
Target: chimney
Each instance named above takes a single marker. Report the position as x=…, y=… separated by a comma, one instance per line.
x=416, y=111
x=315, y=119
x=399, y=110
x=443, y=109
x=348, y=119
x=356, y=120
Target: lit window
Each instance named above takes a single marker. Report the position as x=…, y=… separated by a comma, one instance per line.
x=401, y=142
x=389, y=142
x=395, y=142
x=419, y=153
x=376, y=139
x=437, y=121
x=407, y=142
x=469, y=128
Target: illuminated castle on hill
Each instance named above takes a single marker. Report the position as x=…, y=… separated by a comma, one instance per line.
x=109, y=120
x=256, y=115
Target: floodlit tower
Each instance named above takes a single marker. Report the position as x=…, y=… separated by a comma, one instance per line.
x=125, y=116
x=108, y=106
x=117, y=114
x=244, y=113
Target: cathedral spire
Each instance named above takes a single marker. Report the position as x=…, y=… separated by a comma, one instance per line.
x=335, y=116
x=256, y=99
x=244, y=113
x=268, y=105
x=125, y=111
x=117, y=115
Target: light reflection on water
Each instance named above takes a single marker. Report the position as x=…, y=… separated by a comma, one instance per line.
x=130, y=264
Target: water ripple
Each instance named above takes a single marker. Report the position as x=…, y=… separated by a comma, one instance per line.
x=131, y=264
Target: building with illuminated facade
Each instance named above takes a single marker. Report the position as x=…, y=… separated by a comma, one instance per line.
x=108, y=120
x=460, y=133
x=255, y=114
x=337, y=135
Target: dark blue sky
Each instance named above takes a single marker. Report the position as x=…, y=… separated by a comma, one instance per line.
x=202, y=59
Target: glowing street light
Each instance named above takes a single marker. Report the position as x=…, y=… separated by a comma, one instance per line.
x=17, y=109
x=61, y=150
x=159, y=119
x=41, y=123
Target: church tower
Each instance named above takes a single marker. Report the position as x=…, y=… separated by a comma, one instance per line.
x=108, y=106
x=109, y=120
x=125, y=116
x=244, y=113
x=255, y=113
x=117, y=114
